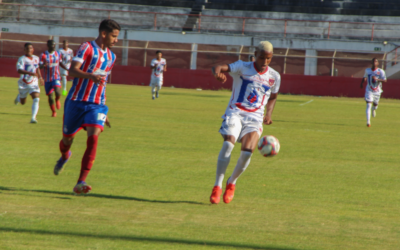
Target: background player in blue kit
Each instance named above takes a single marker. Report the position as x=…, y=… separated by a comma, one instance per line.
x=85, y=104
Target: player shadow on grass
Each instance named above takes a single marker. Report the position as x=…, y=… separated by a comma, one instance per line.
x=100, y=196
x=141, y=238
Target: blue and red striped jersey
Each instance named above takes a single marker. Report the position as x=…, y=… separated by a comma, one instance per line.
x=51, y=71
x=96, y=61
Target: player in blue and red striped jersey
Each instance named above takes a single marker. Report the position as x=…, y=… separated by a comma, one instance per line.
x=85, y=104
x=50, y=60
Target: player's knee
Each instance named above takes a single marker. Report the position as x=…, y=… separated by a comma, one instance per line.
x=68, y=140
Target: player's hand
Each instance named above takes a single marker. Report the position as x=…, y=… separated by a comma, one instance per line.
x=98, y=79
x=361, y=86
x=267, y=120
x=41, y=81
x=108, y=122
x=44, y=64
x=221, y=77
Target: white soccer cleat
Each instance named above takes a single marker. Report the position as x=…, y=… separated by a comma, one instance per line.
x=374, y=113
x=33, y=120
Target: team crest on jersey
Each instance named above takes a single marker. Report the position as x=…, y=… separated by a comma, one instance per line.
x=271, y=81
x=378, y=73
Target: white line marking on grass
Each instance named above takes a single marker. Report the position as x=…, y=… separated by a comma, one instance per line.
x=306, y=102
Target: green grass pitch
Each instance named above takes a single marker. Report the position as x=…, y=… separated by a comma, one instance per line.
x=334, y=185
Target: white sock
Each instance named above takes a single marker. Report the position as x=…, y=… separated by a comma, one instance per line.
x=242, y=163
x=374, y=107
x=223, y=161
x=35, y=107
x=368, y=111
x=64, y=82
x=18, y=99
x=153, y=90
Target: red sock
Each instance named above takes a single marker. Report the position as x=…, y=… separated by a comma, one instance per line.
x=64, y=149
x=53, y=108
x=88, y=157
x=58, y=104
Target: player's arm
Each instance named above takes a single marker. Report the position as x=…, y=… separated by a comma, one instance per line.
x=270, y=107
x=165, y=67
x=362, y=82
x=219, y=70
x=62, y=65
x=39, y=74
x=75, y=71
x=24, y=72
x=43, y=61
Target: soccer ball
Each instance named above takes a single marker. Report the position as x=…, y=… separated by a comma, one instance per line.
x=268, y=146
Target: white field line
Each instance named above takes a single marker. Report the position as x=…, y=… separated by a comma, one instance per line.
x=306, y=102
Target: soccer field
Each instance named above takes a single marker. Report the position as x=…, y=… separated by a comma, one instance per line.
x=334, y=185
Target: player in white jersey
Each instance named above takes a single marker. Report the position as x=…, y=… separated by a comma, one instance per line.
x=66, y=58
x=374, y=77
x=158, y=66
x=255, y=85
x=28, y=68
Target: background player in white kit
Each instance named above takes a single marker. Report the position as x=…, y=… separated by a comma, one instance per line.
x=66, y=58
x=255, y=85
x=158, y=66
x=28, y=67
x=374, y=77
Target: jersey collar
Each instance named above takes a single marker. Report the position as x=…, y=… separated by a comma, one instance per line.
x=260, y=73
x=97, y=46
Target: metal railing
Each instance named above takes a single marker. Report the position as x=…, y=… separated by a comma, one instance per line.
x=202, y=23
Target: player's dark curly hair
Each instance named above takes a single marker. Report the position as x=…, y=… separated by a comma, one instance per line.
x=373, y=59
x=109, y=25
x=158, y=51
x=27, y=44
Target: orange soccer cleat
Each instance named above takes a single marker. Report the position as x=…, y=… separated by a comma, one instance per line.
x=58, y=104
x=368, y=125
x=82, y=188
x=229, y=192
x=54, y=114
x=215, y=195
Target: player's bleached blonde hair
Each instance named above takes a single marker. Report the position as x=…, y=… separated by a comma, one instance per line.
x=265, y=46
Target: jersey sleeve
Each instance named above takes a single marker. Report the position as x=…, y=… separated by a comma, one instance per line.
x=275, y=88
x=153, y=63
x=42, y=58
x=82, y=53
x=236, y=67
x=20, y=64
x=365, y=74
x=383, y=74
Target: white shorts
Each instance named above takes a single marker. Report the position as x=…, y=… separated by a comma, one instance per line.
x=25, y=89
x=372, y=97
x=63, y=72
x=239, y=126
x=156, y=82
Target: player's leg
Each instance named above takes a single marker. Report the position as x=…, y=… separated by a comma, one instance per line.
x=35, y=106
x=94, y=122
x=230, y=130
x=64, y=84
x=368, y=99
x=22, y=94
x=65, y=146
x=249, y=143
x=159, y=84
x=153, y=89
x=57, y=91
x=375, y=105
x=48, y=86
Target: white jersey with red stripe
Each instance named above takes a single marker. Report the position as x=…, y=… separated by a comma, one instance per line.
x=157, y=72
x=95, y=61
x=66, y=56
x=374, y=86
x=30, y=64
x=251, y=90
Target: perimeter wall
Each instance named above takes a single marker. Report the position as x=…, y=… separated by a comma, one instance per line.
x=187, y=78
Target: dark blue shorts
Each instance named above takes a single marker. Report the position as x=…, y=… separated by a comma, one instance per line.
x=78, y=115
x=50, y=86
